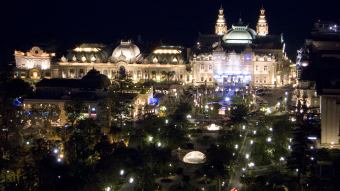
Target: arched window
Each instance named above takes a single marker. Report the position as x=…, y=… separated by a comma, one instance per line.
x=83, y=58
x=139, y=74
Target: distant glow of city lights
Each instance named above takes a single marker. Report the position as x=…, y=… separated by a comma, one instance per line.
x=59, y=159
x=55, y=151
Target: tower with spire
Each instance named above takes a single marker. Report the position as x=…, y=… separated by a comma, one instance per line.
x=221, y=26
x=262, y=25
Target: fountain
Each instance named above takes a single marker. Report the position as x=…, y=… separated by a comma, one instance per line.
x=194, y=157
x=213, y=127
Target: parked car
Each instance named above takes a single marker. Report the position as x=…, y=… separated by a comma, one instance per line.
x=226, y=117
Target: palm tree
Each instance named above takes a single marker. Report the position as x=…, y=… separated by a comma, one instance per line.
x=168, y=75
x=173, y=136
x=230, y=138
x=246, y=181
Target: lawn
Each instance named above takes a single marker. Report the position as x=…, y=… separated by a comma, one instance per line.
x=206, y=140
x=333, y=155
x=187, y=187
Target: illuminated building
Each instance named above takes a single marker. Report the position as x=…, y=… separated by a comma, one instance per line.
x=240, y=56
x=163, y=63
x=318, y=87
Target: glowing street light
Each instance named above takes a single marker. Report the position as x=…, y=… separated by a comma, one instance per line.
x=55, y=151
x=159, y=144
x=227, y=99
x=282, y=159
x=251, y=165
x=251, y=142
x=166, y=121
x=254, y=132
x=244, y=127
x=236, y=146
x=131, y=180
x=270, y=129
x=247, y=156
x=269, y=139
x=122, y=172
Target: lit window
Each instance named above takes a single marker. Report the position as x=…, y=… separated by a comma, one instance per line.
x=257, y=68
x=210, y=67
x=265, y=80
x=265, y=68
x=155, y=60
x=256, y=80
x=202, y=67
x=202, y=79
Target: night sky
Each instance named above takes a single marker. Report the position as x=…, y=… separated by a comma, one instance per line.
x=175, y=22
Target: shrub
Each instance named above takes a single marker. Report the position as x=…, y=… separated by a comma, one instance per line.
x=179, y=171
x=206, y=137
x=190, y=146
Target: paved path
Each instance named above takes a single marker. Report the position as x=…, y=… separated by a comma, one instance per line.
x=234, y=181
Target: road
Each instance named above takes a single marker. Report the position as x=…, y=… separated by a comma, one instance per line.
x=128, y=186
x=234, y=181
x=278, y=92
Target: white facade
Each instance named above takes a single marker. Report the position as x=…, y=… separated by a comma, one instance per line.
x=35, y=58
x=232, y=68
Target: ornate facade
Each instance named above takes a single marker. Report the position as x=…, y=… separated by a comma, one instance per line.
x=244, y=56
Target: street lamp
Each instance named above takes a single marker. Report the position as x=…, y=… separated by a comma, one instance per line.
x=122, y=172
x=251, y=165
x=281, y=160
x=131, y=180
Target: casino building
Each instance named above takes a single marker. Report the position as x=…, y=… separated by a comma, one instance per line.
x=239, y=55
